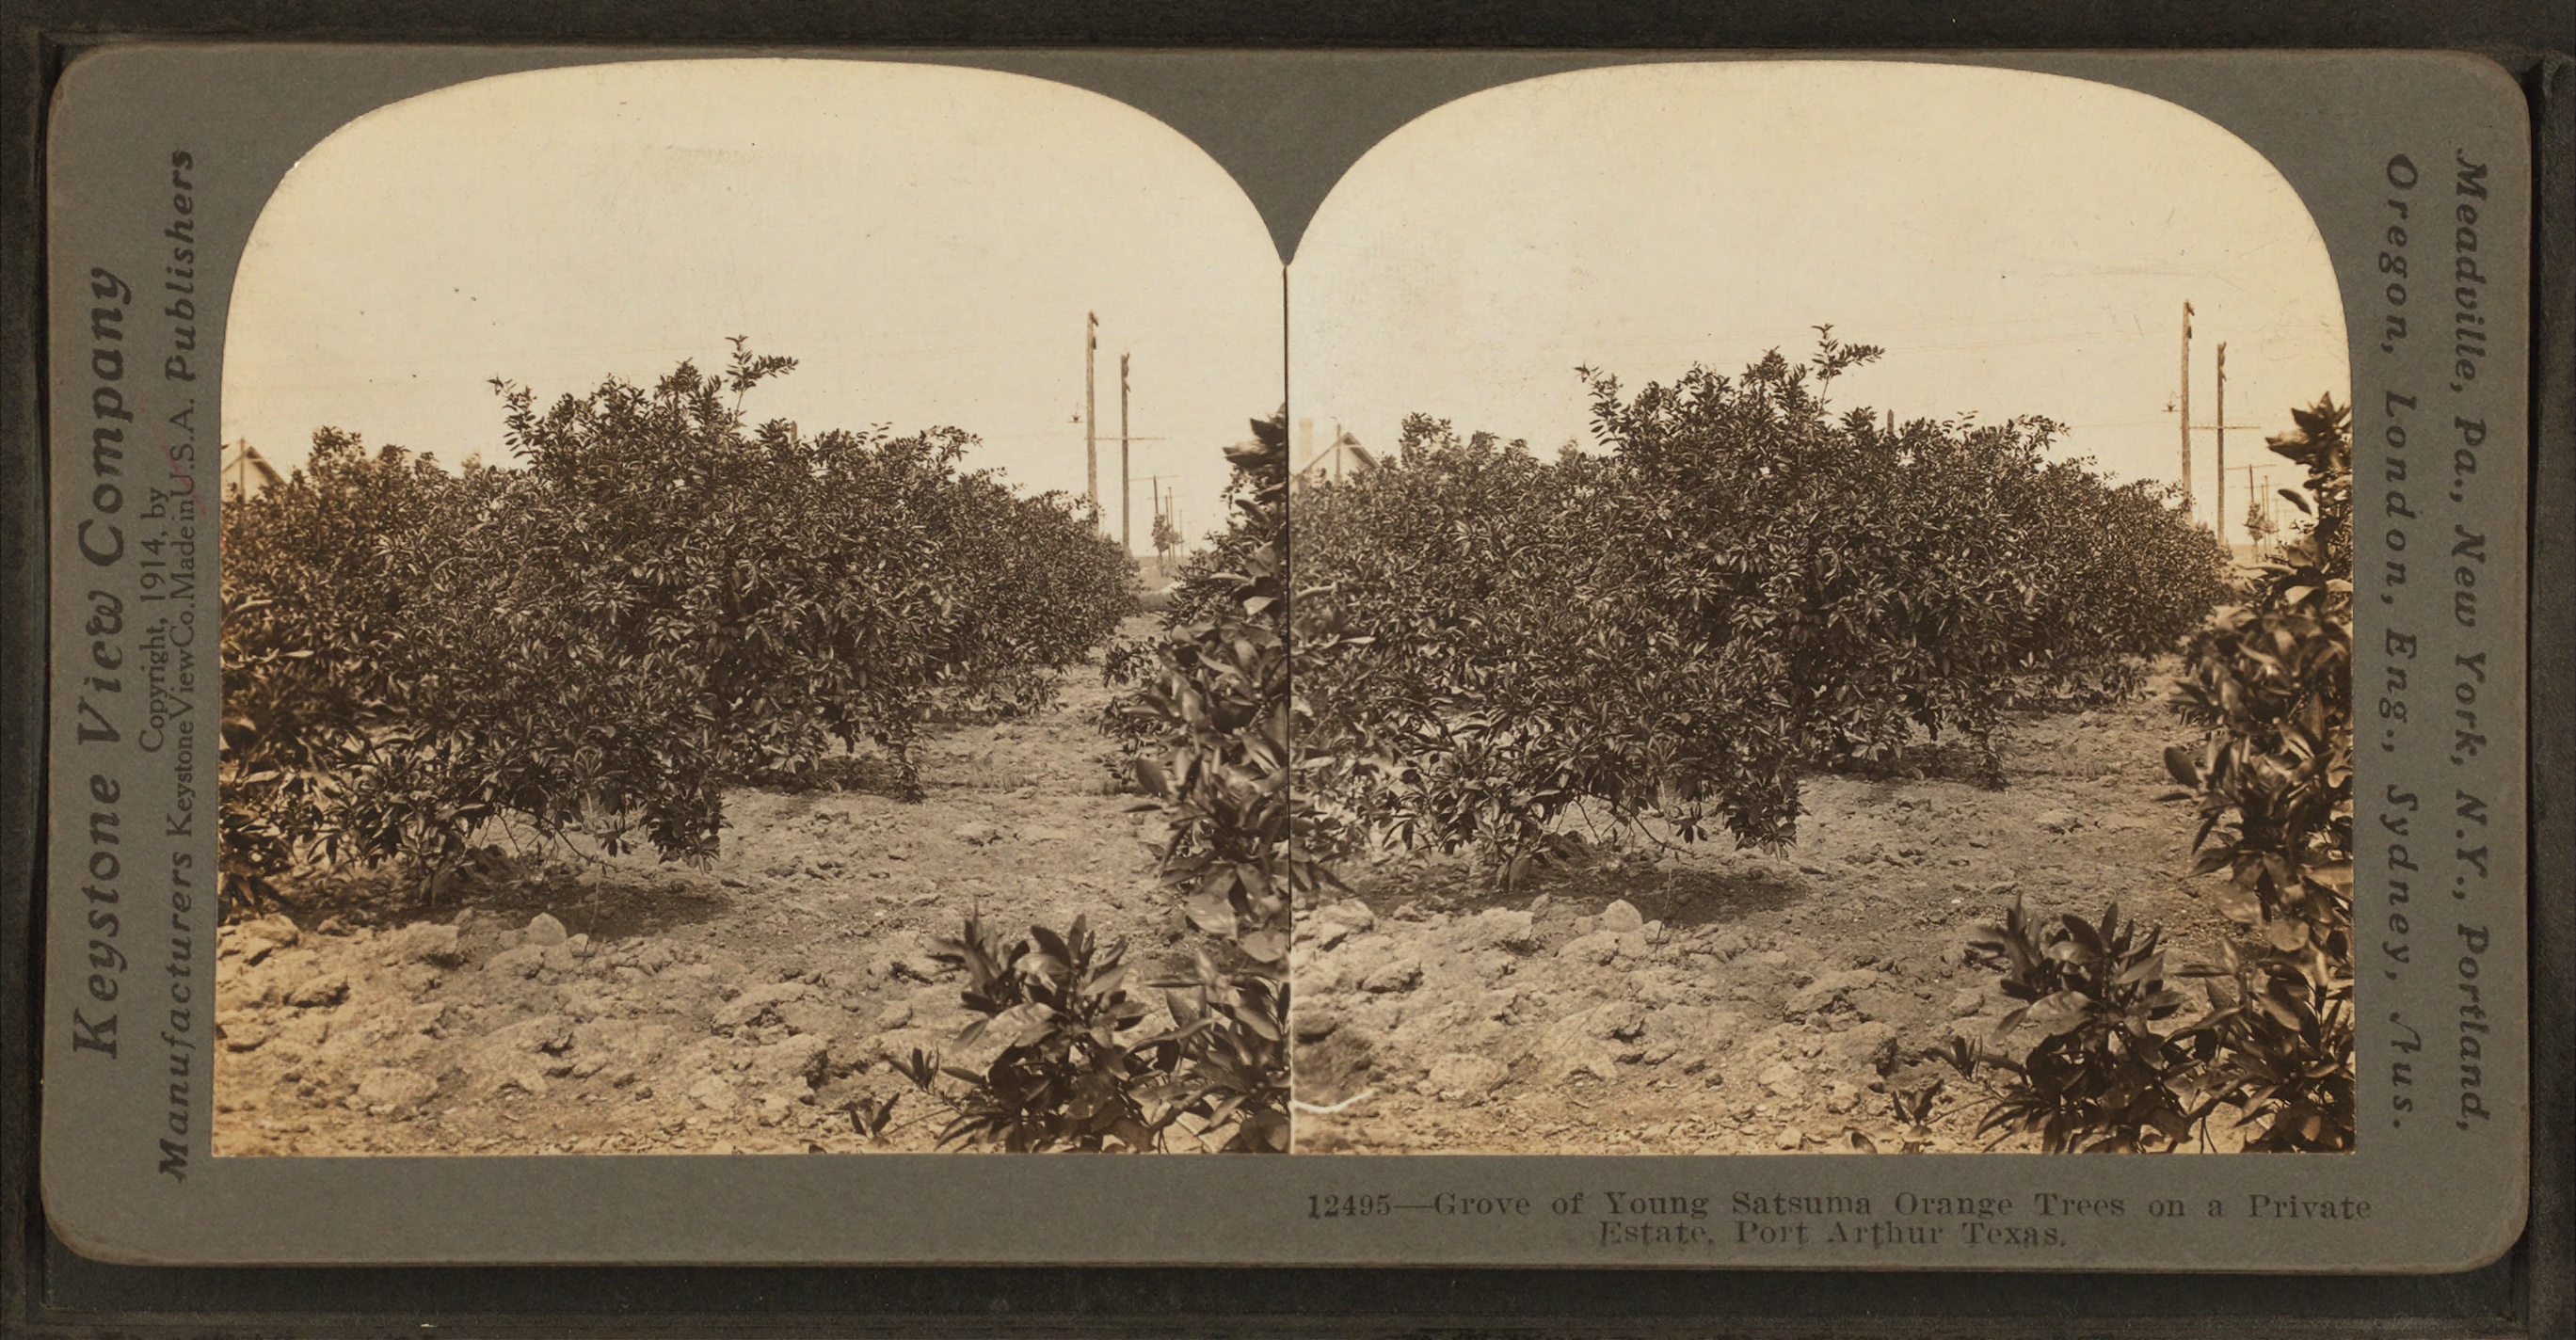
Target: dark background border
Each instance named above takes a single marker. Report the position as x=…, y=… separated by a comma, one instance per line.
x=47, y=1290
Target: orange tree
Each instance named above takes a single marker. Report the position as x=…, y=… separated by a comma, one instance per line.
x=660, y=600
x=1219, y=763
x=1205, y=717
x=1438, y=677
x=309, y=612
x=2116, y=1064
x=2270, y=684
x=1741, y=585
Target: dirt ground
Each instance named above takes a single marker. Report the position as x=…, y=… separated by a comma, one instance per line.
x=1715, y=1001
x=657, y=1008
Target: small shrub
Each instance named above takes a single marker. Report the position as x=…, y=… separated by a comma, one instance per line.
x=1232, y=1027
x=1079, y=1072
x=2109, y=1072
x=1069, y=1076
x=1912, y=1109
x=1210, y=723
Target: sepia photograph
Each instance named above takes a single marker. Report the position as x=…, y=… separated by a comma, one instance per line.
x=1824, y=625
x=636, y=626
x=740, y=584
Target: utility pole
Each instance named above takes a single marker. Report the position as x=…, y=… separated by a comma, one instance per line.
x=2218, y=519
x=1126, y=545
x=1090, y=406
x=2220, y=516
x=1126, y=440
x=2185, y=416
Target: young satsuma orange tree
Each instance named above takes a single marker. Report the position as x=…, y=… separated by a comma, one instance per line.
x=2119, y=1062
x=310, y=612
x=658, y=600
x=2269, y=683
x=1204, y=716
x=1736, y=586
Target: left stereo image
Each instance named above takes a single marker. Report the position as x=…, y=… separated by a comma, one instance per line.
x=706, y=654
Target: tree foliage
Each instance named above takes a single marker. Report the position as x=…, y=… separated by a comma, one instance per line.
x=309, y=610
x=1070, y=1075
x=1218, y=763
x=2269, y=684
x=2101, y=1077
x=1082, y=1068
x=1741, y=586
x=1204, y=720
x=659, y=600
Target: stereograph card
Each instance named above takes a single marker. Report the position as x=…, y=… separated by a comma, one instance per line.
x=1559, y=660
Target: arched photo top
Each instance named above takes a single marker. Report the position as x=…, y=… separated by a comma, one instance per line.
x=926, y=240
x=2019, y=243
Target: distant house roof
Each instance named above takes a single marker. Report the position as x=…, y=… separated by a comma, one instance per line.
x=246, y=472
x=1334, y=460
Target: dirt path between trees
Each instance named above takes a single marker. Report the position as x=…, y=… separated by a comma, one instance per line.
x=1714, y=1001
x=659, y=1008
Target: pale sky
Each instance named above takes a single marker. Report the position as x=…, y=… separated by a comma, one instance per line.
x=2019, y=243
x=925, y=240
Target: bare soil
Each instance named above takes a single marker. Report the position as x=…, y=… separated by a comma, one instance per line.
x=568, y=1005
x=1706, y=1000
